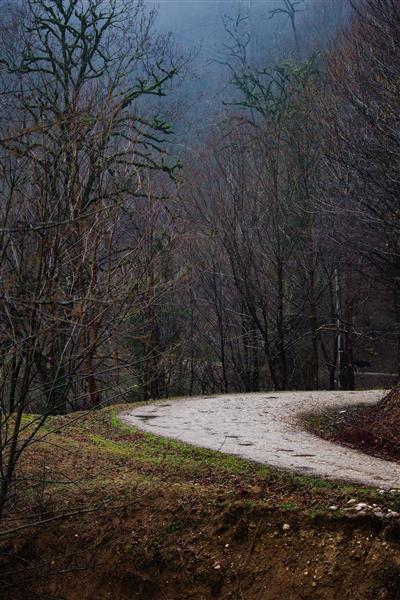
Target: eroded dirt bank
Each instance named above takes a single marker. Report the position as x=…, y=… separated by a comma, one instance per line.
x=163, y=549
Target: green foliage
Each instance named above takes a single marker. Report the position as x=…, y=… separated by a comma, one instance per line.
x=275, y=93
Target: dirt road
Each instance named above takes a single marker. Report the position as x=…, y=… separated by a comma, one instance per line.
x=266, y=427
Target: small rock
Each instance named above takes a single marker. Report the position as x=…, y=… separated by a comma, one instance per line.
x=286, y=527
x=379, y=514
x=381, y=492
x=352, y=501
x=333, y=507
x=391, y=513
x=361, y=506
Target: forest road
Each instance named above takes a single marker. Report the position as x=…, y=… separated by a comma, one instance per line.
x=267, y=428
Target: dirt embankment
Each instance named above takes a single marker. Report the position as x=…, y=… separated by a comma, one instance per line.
x=377, y=428
x=374, y=430
x=167, y=547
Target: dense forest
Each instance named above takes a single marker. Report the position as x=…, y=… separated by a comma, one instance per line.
x=180, y=218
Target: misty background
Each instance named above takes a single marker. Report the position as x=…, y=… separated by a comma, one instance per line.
x=200, y=28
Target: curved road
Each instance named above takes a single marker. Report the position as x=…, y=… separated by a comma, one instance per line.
x=266, y=427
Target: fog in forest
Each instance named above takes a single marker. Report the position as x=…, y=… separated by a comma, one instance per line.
x=203, y=28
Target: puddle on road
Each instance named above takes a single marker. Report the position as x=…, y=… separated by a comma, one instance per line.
x=304, y=455
x=147, y=417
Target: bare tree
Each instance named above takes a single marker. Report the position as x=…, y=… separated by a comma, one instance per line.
x=290, y=8
x=76, y=144
x=360, y=122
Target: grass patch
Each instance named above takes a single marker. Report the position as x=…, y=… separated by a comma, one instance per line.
x=289, y=506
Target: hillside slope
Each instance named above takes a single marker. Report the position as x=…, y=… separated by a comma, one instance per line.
x=127, y=515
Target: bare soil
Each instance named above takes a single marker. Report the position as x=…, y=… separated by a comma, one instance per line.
x=170, y=547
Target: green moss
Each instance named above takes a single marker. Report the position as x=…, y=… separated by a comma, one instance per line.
x=289, y=506
x=157, y=450
x=111, y=446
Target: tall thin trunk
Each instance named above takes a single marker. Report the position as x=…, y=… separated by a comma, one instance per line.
x=281, y=332
x=15, y=369
x=314, y=333
x=339, y=332
x=350, y=383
